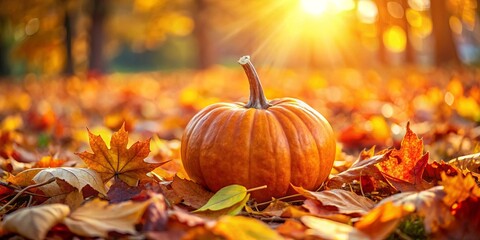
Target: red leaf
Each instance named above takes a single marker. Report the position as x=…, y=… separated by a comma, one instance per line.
x=404, y=167
x=155, y=215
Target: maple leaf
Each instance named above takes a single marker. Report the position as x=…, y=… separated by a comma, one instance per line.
x=117, y=161
x=404, y=167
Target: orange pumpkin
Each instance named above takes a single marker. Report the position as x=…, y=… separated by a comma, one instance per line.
x=271, y=143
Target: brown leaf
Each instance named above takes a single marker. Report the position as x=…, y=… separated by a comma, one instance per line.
x=193, y=195
x=361, y=167
x=61, y=191
x=428, y=204
x=120, y=192
x=404, y=167
x=433, y=171
x=76, y=177
x=96, y=218
x=468, y=163
x=382, y=220
x=117, y=161
x=184, y=217
x=155, y=216
x=24, y=178
x=340, y=201
x=35, y=222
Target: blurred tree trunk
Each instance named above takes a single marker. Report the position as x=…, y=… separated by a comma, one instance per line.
x=68, y=70
x=409, y=51
x=381, y=26
x=444, y=46
x=98, y=14
x=206, y=51
x=4, y=68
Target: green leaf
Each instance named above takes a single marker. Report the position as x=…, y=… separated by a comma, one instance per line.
x=224, y=198
x=231, y=211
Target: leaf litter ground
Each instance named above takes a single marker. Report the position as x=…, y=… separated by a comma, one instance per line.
x=419, y=178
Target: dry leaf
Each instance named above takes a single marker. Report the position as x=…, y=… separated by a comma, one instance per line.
x=462, y=196
x=97, y=218
x=76, y=177
x=35, y=222
x=24, y=178
x=120, y=192
x=340, y=201
x=69, y=184
x=193, y=195
x=117, y=161
x=468, y=163
x=328, y=229
x=404, y=167
x=459, y=188
x=382, y=220
x=428, y=204
x=291, y=228
x=237, y=227
x=155, y=217
x=361, y=167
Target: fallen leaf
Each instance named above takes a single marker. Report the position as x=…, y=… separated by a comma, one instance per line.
x=428, y=204
x=232, y=210
x=361, y=167
x=76, y=177
x=225, y=198
x=120, y=192
x=117, y=161
x=193, y=194
x=69, y=184
x=24, y=178
x=49, y=162
x=155, y=217
x=238, y=227
x=35, y=222
x=382, y=220
x=404, y=167
x=328, y=229
x=340, y=201
x=433, y=171
x=470, y=163
x=459, y=188
x=292, y=228
x=96, y=218
x=275, y=209
x=184, y=217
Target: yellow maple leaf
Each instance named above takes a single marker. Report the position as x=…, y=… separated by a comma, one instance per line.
x=117, y=161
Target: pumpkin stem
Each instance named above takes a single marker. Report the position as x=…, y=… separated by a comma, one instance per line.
x=257, y=97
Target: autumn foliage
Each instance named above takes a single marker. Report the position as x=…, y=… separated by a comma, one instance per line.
x=101, y=158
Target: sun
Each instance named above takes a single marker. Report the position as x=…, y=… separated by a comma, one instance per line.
x=314, y=7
